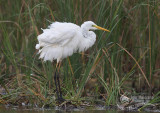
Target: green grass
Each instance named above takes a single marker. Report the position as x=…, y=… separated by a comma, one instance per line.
x=126, y=59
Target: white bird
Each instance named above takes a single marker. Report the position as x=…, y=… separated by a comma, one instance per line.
x=61, y=40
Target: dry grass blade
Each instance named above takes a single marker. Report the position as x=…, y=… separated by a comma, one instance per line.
x=7, y=21
x=70, y=66
x=37, y=94
x=89, y=71
x=107, y=55
x=149, y=31
x=136, y=63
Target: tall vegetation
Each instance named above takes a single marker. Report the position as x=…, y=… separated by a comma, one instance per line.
x=124, y=60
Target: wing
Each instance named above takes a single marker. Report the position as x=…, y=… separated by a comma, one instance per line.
x=58, y=34
x=53, y=37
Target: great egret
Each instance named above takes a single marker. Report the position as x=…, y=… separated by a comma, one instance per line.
x=62, y=39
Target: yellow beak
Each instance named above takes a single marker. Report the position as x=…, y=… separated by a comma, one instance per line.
x=98, y=27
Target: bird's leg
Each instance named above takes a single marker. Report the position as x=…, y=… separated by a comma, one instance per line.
x=55, y=80
x=59, y=87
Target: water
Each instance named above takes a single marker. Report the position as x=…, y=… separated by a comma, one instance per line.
x=9, y=110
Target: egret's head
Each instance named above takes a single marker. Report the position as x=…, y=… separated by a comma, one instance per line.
x=89, y=25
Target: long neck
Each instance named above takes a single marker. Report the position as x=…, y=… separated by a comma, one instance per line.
x=89, y=38
x=85, y=33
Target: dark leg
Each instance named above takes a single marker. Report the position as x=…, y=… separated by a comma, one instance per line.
x=59, y=87
x=55, y=80
x=57, y=84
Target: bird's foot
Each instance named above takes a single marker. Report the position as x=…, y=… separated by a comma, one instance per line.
x=61, y=100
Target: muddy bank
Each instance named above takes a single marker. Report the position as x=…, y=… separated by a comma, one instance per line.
x=71, y=106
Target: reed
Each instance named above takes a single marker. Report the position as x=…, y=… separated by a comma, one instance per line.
x=126, y=58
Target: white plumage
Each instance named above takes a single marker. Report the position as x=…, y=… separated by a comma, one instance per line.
x=61, y=40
